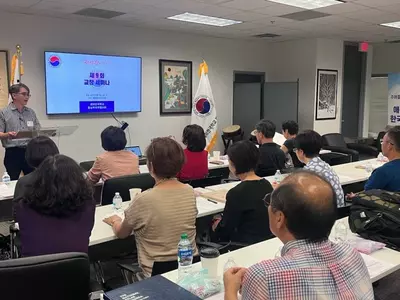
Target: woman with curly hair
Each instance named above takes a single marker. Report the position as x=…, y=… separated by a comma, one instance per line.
x=56, y=212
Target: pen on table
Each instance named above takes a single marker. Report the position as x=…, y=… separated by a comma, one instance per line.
x=215, y=202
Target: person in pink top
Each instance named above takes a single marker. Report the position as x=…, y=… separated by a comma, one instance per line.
x=115, y=161
x=196, y=158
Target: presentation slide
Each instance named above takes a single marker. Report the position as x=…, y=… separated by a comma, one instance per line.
x=86, y=83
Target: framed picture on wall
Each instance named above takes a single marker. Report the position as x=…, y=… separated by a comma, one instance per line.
x=175, y=87
x=4, y=80
x=326, y=102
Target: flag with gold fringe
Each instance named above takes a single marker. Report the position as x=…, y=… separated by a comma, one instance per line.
x=17, y=69
x=204, y=112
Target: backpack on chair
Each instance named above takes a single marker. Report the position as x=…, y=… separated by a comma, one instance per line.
x=375, y=215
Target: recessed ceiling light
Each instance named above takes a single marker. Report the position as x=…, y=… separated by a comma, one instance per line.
x=309, y=4
x=392, y=24
x=206, y=20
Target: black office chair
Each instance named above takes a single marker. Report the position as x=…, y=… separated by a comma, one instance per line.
x=86, y=165
x=334, y=158
x=123, y=184
x=61, y=276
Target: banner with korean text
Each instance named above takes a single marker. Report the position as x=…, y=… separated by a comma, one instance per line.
x=394, y=99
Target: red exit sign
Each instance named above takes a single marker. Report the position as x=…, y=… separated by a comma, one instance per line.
x=363, y=47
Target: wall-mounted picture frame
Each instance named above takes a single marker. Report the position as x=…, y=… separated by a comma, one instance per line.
x=326, y=98
x=175, y=87
x=4, y=78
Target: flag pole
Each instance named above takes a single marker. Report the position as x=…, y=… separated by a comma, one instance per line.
x=19, y=62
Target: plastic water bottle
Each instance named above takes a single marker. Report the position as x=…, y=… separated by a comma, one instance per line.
x=369, y=167
x=381, y=158
x=229, y=264
x=6, y=178
x=278, y=177
x=185, y=256
x=340, y=232
x=117, y=202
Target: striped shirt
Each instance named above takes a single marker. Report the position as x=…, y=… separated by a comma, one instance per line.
x=158, y=218
x=11, y=119
x=307, y=270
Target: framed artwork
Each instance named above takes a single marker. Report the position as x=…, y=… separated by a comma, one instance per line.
x=4, y=80
x=175, y=87
x=326, y=102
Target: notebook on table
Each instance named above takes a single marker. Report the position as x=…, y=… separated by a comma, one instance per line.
x=154, y=288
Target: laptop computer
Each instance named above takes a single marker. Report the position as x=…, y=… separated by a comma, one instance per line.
x=136, y=150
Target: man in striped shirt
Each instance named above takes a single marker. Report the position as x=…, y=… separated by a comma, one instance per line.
x=302, y=212
x=13, y=118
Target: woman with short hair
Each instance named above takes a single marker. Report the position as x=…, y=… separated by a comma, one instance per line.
x=56, y=212
x=196, y=163
x=245, y=219
x=160, y=215
x=37, y=150
x=116, y=161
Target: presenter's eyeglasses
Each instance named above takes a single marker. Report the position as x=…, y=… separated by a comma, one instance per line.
x=25, y=94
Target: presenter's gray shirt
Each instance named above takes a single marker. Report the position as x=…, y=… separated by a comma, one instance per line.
x=13, y=120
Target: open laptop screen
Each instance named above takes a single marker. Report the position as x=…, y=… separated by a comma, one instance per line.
x=135, y=149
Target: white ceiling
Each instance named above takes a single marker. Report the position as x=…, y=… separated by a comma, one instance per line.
x=355, y=20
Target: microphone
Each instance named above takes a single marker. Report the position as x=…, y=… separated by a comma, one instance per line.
x=124, y=125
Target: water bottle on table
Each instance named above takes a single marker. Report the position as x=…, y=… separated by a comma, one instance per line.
x=340, y=232
x=6, y=178
x=117, y=202
x=278, y=177
x=185, y=256
x=369, y=167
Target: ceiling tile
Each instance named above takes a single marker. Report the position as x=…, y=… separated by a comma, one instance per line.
x=376, y=3
x=341, y=8
x=152, y=12
x=246, y=4
x=278, y=10
x=56, y=7
x=84, y=3
x=125, y=6
x=19, y=3
x=246, y=16
x=199, y=8
x=372, y=16
x=212, y=1
x=395, y=8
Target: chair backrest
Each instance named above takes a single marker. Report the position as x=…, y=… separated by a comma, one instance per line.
x=334, y=139
x=86, y=165
x=334, y=159
x=58, y=276
x=161, y=267
x=203, y=182
x=123, y=184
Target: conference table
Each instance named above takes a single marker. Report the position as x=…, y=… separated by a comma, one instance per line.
x=348, y=174
x=381, y=263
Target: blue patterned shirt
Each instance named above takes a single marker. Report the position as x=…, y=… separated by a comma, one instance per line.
x=320, y=167
x=308, y=270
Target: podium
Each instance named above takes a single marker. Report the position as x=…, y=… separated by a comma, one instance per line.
x=46, y=131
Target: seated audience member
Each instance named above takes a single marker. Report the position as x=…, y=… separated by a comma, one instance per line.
x=56, y=212
x=272, y=157
x=290, y=129
x=302, y=212
x=37, y=150
x=196, y=164
x=387, y=177
x=244, y=219
x=160, y=215
x=115, y=161
x=308, y=144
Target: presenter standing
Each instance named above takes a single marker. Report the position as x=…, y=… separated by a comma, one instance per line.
x=14, y=118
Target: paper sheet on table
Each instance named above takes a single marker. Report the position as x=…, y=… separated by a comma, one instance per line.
x=219, y=296
x=219, y=195
x=375, y=266
x=345, y=178
x=6, y=191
